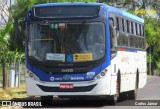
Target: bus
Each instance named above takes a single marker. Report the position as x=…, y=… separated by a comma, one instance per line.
x=84, y=49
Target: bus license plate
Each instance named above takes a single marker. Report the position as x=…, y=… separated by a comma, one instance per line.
x=66, y=86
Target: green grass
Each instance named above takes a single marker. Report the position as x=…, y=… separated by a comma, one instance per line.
x=11, y=93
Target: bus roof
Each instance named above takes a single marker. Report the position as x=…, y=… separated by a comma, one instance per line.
x=70, y=3
x=134, y=17
x=124, y=13
x=112, y=9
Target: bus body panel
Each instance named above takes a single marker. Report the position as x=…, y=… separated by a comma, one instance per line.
x=124, y=63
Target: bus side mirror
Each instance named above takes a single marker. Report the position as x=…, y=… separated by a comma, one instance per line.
x=19, y=28
x=23, y=19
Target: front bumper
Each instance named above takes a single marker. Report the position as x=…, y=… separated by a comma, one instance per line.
x=41, y=88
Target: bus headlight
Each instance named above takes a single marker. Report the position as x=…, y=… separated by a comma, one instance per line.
x=33, y=76
x=100, y=75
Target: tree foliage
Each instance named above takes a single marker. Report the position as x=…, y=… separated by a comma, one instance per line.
x=7, y=56
x=4, y=50
x=4, y=41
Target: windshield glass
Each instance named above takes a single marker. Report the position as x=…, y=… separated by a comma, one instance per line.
x=67, y=42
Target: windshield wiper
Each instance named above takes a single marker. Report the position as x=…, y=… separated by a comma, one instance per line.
x=71, y=49
x=35, y=58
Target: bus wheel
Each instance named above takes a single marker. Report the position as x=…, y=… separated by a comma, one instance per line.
x=112, y=100
x=133, y=93
x=122, y=96
x=46, y=100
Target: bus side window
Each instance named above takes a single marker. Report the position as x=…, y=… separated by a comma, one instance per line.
x=144, y=44
x=132, y=31
x=136, y=28
x=113, y=37
x=140, y=30
x=141, y=43
x=138, y=42
x=127, y=27
x=117, y=21
x=111, y=21
x=122, y=25
x=111, y=24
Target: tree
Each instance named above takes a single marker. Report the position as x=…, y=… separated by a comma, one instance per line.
x=3, y=50
x=152, y=31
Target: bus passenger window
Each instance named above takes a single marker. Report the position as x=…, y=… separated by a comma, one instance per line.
x=140, y=30
x=127, y=26
x=117, y=23
x=133, y=42
x=136, y=28
x=122, y=25
x=126, y=41
x=143, y=31
x=144, y=44
x=139, y=42
x=132, y=32
x=111, y=23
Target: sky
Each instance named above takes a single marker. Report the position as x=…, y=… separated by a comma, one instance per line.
x=12, y=2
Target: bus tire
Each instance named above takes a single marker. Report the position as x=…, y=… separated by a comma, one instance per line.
x=132, y=94
x=46, y=100
x=112, y=99
x=122, y=95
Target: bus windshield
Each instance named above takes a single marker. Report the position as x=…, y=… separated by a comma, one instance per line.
x=67, y=42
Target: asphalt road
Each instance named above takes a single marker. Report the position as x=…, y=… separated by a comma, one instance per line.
x=150, y=92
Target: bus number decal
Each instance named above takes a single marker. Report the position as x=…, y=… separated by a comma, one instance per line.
x=55, y=56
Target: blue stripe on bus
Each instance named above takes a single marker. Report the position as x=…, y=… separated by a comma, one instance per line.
x=131, y=50
x=46, y=77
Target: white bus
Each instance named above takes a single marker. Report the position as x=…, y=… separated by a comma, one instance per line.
x=84, y=49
